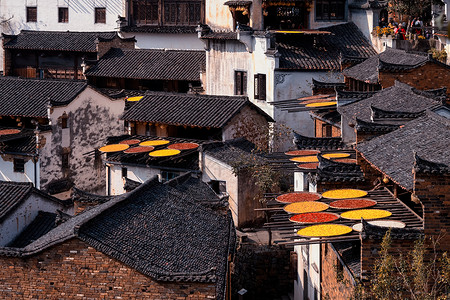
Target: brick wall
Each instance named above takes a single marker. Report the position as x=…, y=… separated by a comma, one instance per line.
x=318, y=124
x=265, y=272
x=429, y=76
x=433, y=191
x=334, y=286
x=104, y=46
x=73, y=270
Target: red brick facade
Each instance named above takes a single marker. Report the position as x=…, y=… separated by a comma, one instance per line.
x=433, y=191
x=324, y=129
x=336, y=283
x=429, y=76
x=74, y=270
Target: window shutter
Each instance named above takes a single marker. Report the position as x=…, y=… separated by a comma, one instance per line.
x=262, y=86
x=238, y=83
x=256, y=86
x=244, y=83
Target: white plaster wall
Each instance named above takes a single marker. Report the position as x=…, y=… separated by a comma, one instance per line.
x=213, y=169
x=7, y=170
x=81, y=15
x=218, y=15
x=92, y=117
x=136, y=173
x=366, y=20
x=348, y=133
x=300, y=182
x=23, y=215
x=305, y=261
x=189, y=41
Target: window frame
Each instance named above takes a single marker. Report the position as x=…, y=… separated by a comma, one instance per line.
x=65, y=160
x=63, y=15
x=240, y=83
x=260, y=86
x=338, y=5
x=31, y=11
x=97, y=19
x=19, y=165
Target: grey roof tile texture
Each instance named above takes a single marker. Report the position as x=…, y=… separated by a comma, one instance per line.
x=327, y=50
x=155, y=231
x=232, y=152
x=186, y=109
x=43, y=223
x=30, y=97
x=12, y=194
x=58, y=40
x=367, y=71
x=393, y=153
x=150, y=64
x=400, y=97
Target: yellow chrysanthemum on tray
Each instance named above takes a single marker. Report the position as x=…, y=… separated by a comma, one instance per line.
x=114, y=148
x=344, y=194
x=305, y=207
x=324, y=230
x=164, y=152
x=321, y=104
x=366, y=214
x=154, y=143
x=305, y=159
x=135, y=99
x=336, y=155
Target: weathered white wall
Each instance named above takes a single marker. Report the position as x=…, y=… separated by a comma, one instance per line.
x=136, y=173
x=300, y=182
x=365, y=19
x=81, y=15
x=307, y=256
x=7, y=169
x=218, y=15
x=189, y=41
x=213, y=169
x=23, y=215
x=348, y=133
x=92, y=117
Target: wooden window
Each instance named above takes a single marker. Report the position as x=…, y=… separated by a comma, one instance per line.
x=327, y=130
x=63, y=14
x=19, y=165
x=124, y=172
x=100, y=15
x=330, y=10
x=32, y=14
x=260, y=86
x=65, y=160
x=182, y=12
x=240, y=83
x=166, y=176
x=64, y=123
x=145, y=11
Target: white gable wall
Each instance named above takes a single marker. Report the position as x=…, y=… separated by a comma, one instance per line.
x=24, y=214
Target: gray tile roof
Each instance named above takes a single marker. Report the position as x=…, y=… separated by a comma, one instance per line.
x=155, y=231
x=12, y=194
x=398, y=98
x=323, y=52
x=30, y=97
x=43, y=223
x=326, y=143
x=367, y=71
x=150, y=64
x=58, y=40
x=393, y=153
x=333, y=171
x=232, y=152
x=188, y=109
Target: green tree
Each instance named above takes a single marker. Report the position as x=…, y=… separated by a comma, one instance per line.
x=424, y=274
